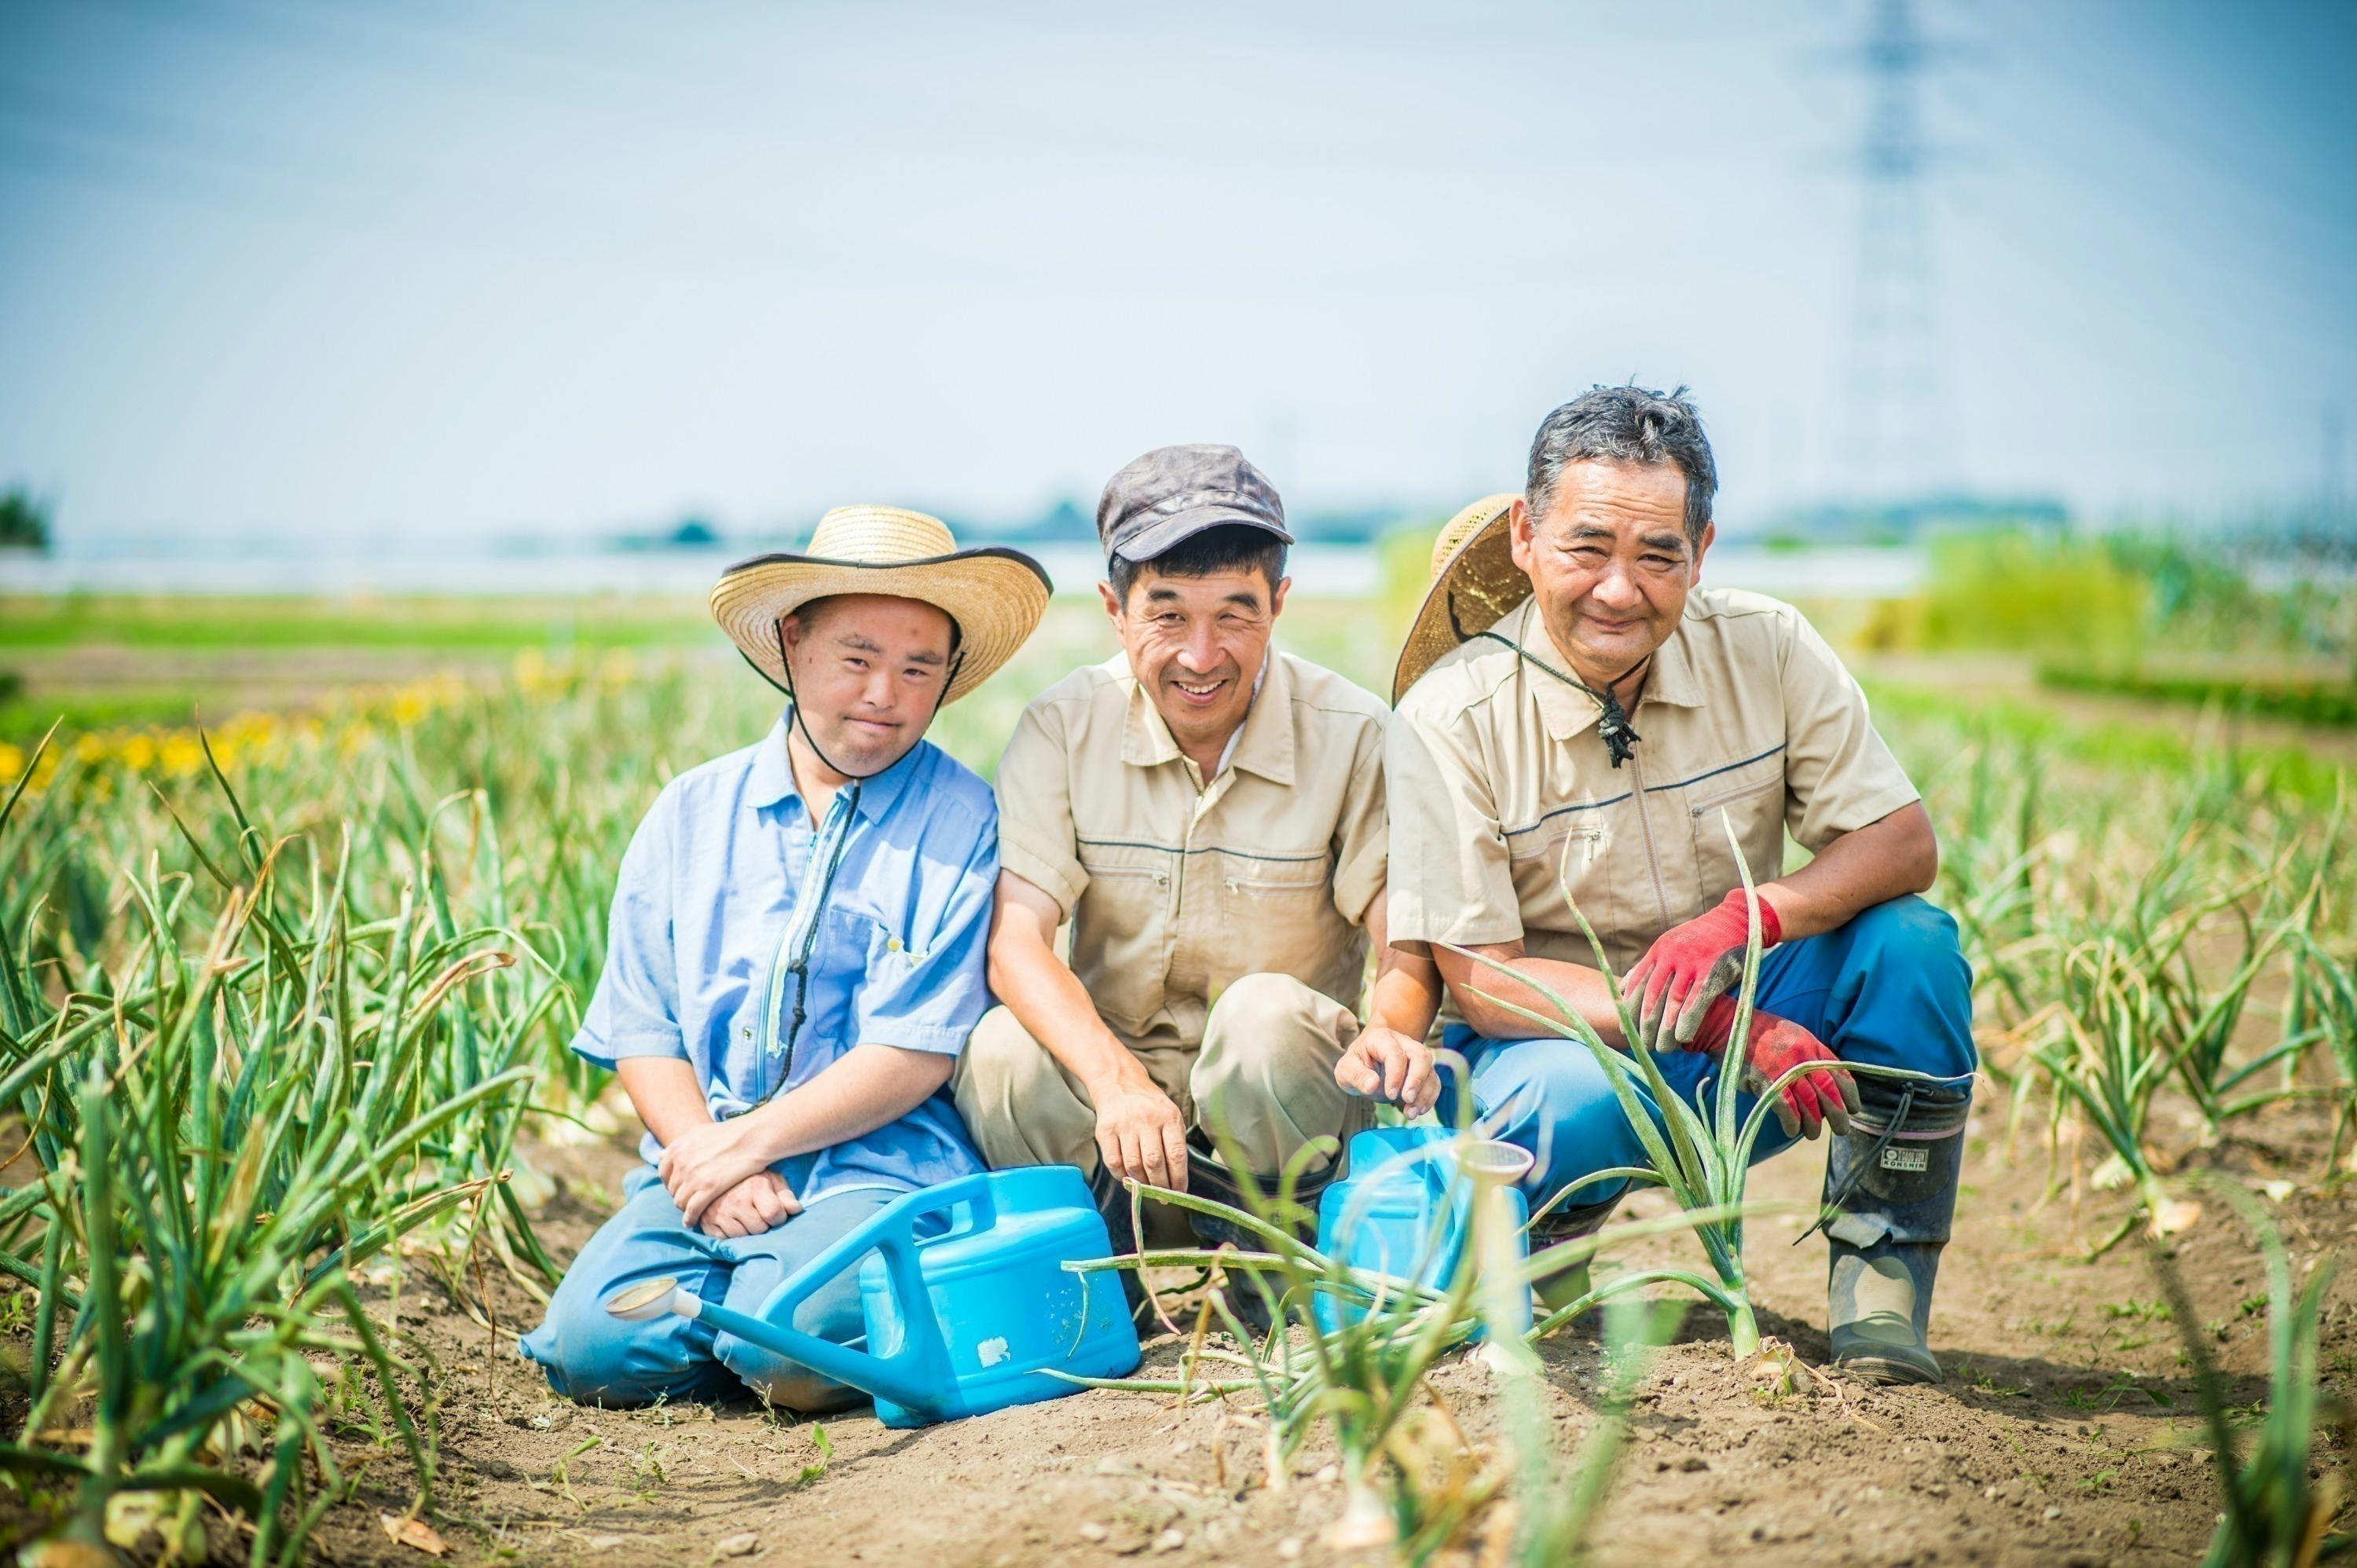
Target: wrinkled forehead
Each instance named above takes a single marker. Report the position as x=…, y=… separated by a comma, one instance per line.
x=1626, y=503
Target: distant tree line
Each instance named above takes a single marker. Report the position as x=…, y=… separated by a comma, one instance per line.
x=23, y=520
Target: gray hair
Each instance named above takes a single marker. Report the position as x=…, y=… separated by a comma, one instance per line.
x=1626, y=424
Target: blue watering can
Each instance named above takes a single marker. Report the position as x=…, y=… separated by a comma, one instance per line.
x=1407, y=1208
x=967, y=1320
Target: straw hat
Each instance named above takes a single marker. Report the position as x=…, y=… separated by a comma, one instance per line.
x=997, y=595
x=1474, y=584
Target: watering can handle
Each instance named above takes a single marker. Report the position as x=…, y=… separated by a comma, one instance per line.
x=893, y=1232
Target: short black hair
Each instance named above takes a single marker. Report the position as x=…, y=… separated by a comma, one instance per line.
x=1230, y=547
x=1627, y=423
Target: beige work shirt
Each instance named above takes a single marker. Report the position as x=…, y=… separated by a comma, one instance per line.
x=1499, y=783
x=1175, y=887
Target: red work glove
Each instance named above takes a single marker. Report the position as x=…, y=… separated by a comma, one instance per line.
x=1775, y=1047
x=1691, y=966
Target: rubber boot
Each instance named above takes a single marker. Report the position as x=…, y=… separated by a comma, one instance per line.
x=1890, y=1195
x=1206, y=1177
x=1568, y=1283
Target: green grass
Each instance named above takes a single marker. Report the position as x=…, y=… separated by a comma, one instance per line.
x=2172, y=749
x=2332, y=703
x=441, y=623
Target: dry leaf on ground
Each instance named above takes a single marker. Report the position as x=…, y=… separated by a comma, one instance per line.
x=414, y=1532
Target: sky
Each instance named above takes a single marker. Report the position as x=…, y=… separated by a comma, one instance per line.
x=391, y=274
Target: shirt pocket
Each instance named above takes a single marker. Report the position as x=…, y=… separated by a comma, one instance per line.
x=1573, y=851
x=1275, y=914
x=1753, y=798
x=1121, y=929
x=838, y=965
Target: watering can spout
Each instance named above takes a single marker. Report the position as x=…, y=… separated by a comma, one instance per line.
x=866, y=1373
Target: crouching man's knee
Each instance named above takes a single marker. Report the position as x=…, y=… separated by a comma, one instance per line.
x=1267, y=1068
x=1016, y=1101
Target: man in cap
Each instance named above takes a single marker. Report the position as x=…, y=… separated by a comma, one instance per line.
x=1206, y=813
x=796, y=958
x=1576, y=715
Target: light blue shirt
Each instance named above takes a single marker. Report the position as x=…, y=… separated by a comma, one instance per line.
x=728, y=886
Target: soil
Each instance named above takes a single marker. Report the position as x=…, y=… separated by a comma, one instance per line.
x=2066, y=1432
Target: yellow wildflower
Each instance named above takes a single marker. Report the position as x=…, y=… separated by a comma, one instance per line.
x=182, y=755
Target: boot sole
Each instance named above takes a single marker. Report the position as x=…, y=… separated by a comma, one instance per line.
x=1887, y=1370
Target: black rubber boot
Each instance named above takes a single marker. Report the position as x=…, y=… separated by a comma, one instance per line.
x=1568, y=1283
x=1890, y=1197
x=1206, y=1177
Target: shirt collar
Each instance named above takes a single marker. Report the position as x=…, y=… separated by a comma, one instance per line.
x=1565, y=708
x=772, y=782
x=1261, y=745
x=1673, y=680
x=1264, y=742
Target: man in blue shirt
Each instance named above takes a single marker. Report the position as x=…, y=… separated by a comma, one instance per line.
x=796, y=958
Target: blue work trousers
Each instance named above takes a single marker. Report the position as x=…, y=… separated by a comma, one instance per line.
x=594, y=1356
x=1891, y=988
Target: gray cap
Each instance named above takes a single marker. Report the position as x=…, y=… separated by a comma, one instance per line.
x=1175, y=492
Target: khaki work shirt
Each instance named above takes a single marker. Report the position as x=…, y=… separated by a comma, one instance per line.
x=1499, y=783
x=1175, y=888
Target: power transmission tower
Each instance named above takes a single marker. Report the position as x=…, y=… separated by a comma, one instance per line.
x=1901, y=412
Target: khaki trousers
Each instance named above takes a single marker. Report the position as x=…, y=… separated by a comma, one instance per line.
x=1264, y=1070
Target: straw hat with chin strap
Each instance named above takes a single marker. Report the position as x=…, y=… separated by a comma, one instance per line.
x=996, y=596
x=1475, y=584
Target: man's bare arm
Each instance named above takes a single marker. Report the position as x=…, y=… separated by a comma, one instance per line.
x=1388, y=1059
x=1576, y=983
x=858, y=1092
x=1866, y=866
x=1140, y=1132
x=664, y=1093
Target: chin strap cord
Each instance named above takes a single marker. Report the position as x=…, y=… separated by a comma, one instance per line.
x=1620, y=736
x=794, y=705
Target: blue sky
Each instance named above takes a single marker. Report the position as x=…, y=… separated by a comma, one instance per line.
x=378, y=271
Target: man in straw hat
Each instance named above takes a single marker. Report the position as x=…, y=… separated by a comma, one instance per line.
x=1206, y=813
x=1576, y=716
x=796, y=957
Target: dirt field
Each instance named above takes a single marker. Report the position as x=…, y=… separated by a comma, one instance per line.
x=2064, y=1434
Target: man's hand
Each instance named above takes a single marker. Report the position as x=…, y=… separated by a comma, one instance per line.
x=1775, y=1047
x=762, y=1201
x=1141, y=1136
x=1691, y=966
x=706, y=1161
x=1383, y=1064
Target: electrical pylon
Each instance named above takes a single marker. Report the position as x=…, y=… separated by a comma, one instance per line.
x=1902, y=426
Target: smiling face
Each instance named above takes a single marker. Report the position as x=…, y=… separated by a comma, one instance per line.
x=869, y=671
x=1197, y=644
x=1609, y=564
